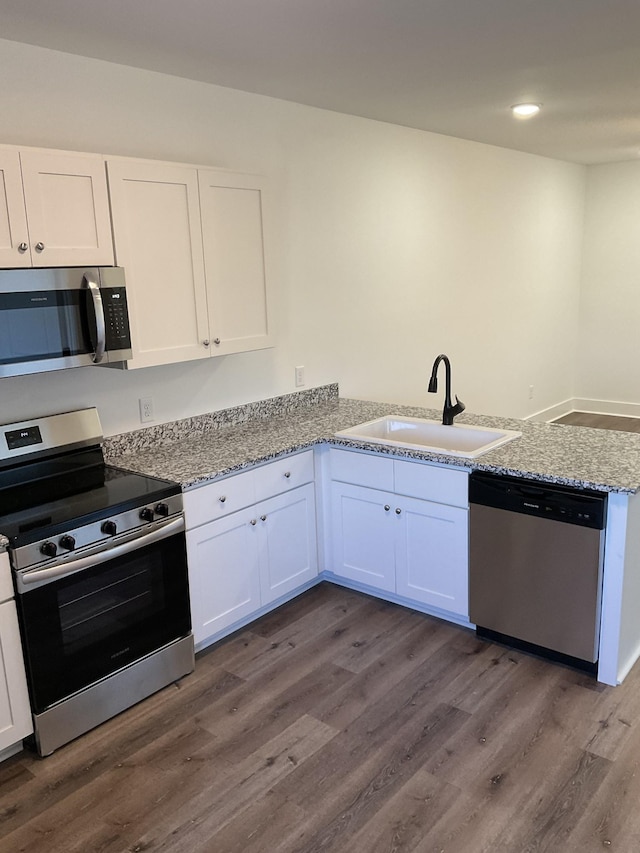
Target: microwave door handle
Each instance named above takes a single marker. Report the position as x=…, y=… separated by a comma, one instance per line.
x=98, y=311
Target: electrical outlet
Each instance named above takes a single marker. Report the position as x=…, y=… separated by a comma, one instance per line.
x=146, y=409
x=299, y=376
x=531, y=392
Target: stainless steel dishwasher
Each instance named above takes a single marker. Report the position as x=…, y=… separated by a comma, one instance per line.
x=535, y=566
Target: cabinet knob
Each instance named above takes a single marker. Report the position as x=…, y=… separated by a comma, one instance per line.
x=216, y=341
x=222, y=498
x=263, y=518
x=387, y=507
x=253, y=521
x=22, y=247
x=398, y=510
x=205, y=343
x=287, y=474
x=39, y=247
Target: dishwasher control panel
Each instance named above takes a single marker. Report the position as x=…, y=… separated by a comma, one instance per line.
x=546, y=500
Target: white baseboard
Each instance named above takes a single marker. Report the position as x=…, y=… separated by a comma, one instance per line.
x=607, y=407
x=553, y=412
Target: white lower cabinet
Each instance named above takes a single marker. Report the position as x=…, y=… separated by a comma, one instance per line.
x=363, y=536
x=432, y=555
x=244, y=559
x=397, y=543
x=223, y=573
x=400, y=529
x=287, y=542
x=15, y=711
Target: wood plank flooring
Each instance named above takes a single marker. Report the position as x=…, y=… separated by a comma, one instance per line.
x=589, y=419
x=344, y=724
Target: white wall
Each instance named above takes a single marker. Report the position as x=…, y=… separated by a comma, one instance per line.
x=392, y=245
x=608, y=362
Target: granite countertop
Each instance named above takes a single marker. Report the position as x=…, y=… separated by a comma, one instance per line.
x=599, y=459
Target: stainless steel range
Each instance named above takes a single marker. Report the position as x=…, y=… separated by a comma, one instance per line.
x=100, y=571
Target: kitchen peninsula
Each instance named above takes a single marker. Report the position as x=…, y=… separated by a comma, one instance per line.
x=204, y=449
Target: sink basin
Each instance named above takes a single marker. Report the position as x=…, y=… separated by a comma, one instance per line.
x=419, y=434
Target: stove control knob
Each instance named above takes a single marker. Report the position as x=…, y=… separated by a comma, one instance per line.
x=67, y=542
x=146, y=514
x=109, y=527
x=162, y=509
x=49, y=549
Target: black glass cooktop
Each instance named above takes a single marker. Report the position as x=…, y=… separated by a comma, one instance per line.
x=46, y=498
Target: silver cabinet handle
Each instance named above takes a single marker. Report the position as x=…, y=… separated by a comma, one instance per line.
x=222, y=498
x=22, y=247
x=216, y=341
x=398, y=510
x=96, y=297
x=287, y=474
x=39, y=247
x=387, y=507
x=263, y=518
x=205, y=343
x=253, y=521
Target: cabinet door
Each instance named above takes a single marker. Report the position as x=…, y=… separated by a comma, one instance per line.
x=288, y=549
x=224, y=574
x=362, y=531
x=15, y=713
x=234, y=255
x=156, y=228
x=67, y=209
x=432, y=555
x=13, y=217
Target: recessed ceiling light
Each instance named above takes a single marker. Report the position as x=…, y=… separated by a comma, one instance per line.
x=525, y=110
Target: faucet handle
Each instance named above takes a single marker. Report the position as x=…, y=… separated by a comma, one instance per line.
x=458, y=408
x=449, y=412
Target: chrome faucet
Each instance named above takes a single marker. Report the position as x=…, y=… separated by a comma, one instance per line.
x=450, y=411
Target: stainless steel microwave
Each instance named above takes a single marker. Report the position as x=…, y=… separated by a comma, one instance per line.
x=56, y=318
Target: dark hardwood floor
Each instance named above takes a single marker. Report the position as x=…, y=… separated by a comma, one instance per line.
x=588, y=419
x=343, y=724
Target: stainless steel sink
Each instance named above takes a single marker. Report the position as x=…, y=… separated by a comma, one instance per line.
x=419, y=434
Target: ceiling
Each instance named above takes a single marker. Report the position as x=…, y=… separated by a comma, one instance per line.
x=449, y=66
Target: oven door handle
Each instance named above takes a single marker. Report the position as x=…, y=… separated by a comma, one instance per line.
x=41, y=576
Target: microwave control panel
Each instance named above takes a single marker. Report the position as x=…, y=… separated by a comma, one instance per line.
x=116, y=318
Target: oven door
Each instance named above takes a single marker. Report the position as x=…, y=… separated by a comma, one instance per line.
x=81, y=625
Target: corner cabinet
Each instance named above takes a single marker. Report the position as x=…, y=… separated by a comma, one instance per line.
x=251, y=543
x=192, y=242
x=400, y=527
x=54, y=209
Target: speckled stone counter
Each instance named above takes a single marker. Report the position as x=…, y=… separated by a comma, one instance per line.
x=196, y=450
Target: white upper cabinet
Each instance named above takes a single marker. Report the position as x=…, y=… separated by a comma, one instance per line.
x=14, y=235
x=54, y=209
x=234, y=257
x=192, y=244
x=156, y=230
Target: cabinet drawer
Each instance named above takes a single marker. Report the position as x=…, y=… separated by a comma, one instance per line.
x=218, y=499
x=284, y=474
x=432, y=483
x=362, y=469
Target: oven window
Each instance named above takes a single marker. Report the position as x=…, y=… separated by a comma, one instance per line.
x=83, y=627
x=43, y=324
x=95, y=609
